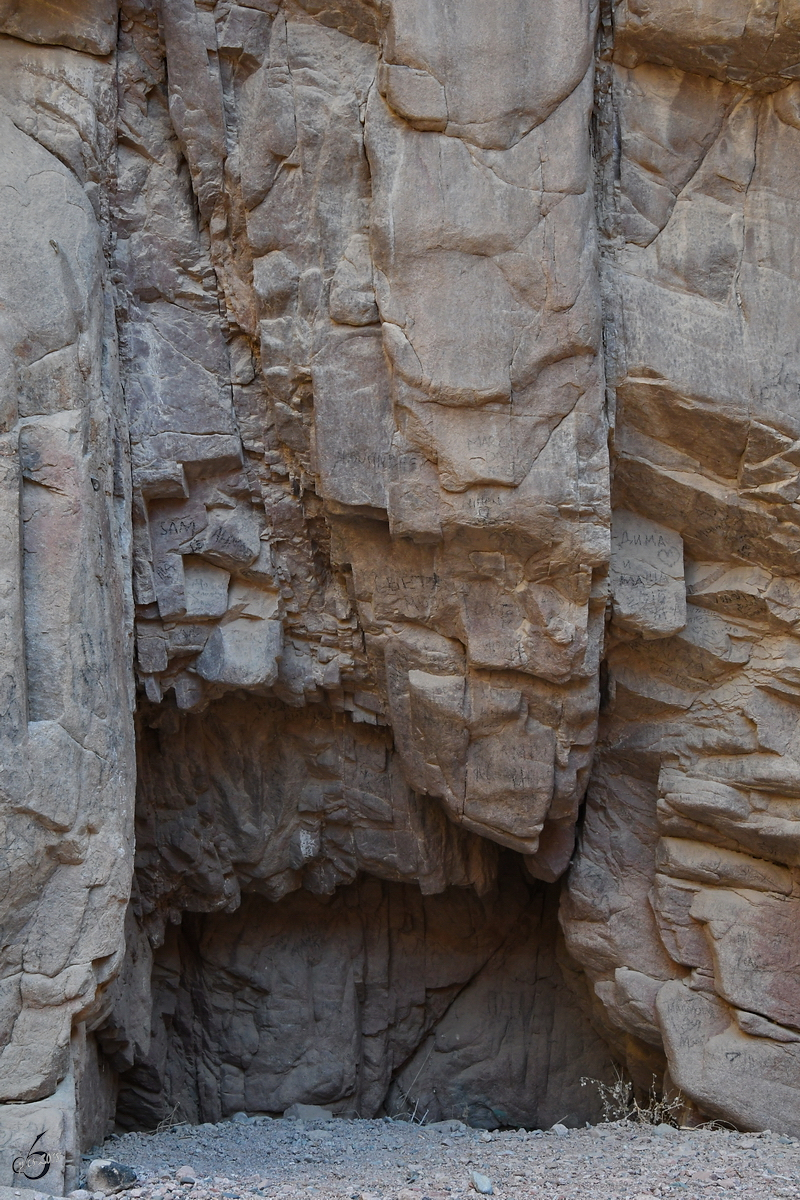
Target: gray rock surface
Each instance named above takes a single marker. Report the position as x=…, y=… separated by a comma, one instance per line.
x=330, y=335
x=372, y=999
x=680, y=903
x=66, y=729
x=403, y=1161
x=106, y=1175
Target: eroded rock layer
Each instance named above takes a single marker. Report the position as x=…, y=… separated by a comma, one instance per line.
x=329, y=332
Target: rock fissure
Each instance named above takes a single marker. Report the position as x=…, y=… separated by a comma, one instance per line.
x=371, y=384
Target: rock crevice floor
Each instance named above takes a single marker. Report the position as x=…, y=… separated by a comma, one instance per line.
x=250, y=1158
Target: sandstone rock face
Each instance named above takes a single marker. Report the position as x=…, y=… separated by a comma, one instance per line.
x=681, y=905
x=318, y=321
x=66, y=728
x=360, y=329
x=406, y=362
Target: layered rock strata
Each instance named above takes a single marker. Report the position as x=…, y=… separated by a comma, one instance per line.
x=319, y=318
x=682, y=903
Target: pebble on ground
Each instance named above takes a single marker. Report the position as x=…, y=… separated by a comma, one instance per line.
x=260, y=1158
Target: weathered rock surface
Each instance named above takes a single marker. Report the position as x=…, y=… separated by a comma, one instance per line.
x=373, y=998
x=682, y=903
x=318, y=321
x=406, y=365
x=66, y=729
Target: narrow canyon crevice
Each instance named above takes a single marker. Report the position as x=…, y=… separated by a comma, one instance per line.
x=375, y=379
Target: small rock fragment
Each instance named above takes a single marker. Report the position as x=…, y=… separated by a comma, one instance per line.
x=185, y=1175
x=482, y=1183
x=559, y=1129
x=106, y=1176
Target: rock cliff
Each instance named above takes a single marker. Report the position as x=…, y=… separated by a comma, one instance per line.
x=400, y=480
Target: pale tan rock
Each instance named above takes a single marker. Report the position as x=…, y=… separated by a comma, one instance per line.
x=753, y=1079
x=712, y=864
x=66, y=732
x=648, y=593
x=749, y=43
x=486, y=103
x=33, y=1161
x=388, y=282
x=700, y=726
x=88, y=25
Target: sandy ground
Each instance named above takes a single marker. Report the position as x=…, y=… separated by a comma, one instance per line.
x=250, y=1157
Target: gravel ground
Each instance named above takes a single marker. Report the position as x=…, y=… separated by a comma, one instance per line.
x=249, y=1158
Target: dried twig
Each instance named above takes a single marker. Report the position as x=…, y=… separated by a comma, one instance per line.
x=619, y=1102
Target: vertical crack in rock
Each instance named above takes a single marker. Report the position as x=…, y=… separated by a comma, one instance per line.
x=369, y=638
x=317, y=321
